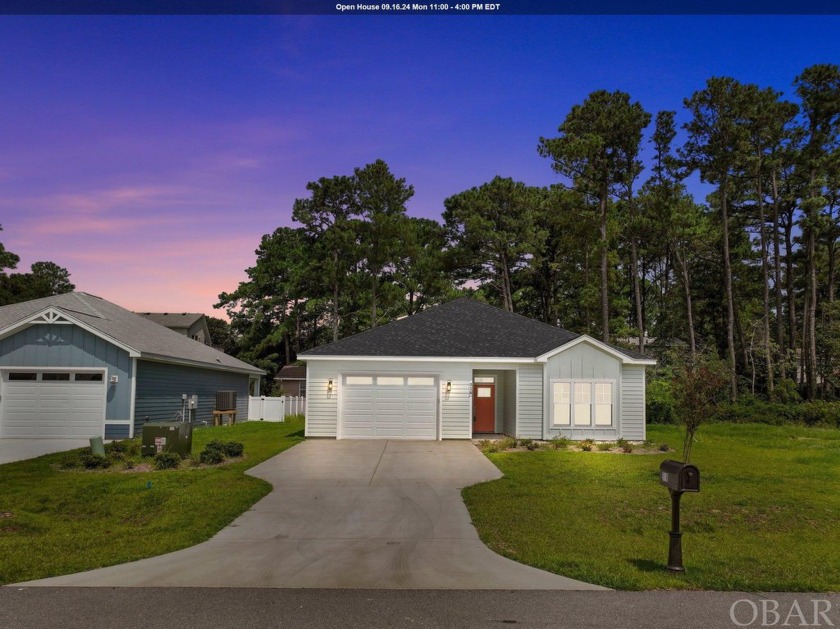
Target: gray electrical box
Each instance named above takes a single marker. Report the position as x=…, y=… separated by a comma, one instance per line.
x=167, y=437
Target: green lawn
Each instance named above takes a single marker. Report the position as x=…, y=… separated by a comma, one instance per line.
x=69, y=521
x=767, y=517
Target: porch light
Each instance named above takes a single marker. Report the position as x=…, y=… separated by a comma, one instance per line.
x=329, y=386
x=449, y=386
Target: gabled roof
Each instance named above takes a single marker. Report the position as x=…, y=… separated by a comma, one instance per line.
x=173, y=319
x=463, y=328
x=292, y=372
x=140, y=336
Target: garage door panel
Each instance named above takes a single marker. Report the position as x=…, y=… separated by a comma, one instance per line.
x=389, y=406
x=52, y=408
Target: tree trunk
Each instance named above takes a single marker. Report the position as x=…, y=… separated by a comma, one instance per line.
x=605, y=288
x=766, y=274
x=335, y=298
x=688, y=308
x=730, y=301
x=777, y=271
x=374, y=281
x=791, y=297
x=812, y=315
x=637, y=292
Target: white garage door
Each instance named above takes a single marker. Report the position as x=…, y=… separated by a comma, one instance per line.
x=389, y=407
x=52, y=404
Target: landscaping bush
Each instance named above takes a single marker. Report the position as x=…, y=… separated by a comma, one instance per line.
x=559, y=443
x=525, y=442
x=604, y=446
x=532, y=445
x=506, y=443
x=211, y=456
x=94, y=461
x=627, y=448
x=167, y=460
x=664, y=447
x=586, y=445
x=125, y=447
x=234, y=449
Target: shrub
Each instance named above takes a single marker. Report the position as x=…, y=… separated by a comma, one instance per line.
x=559, y=443
x=526, y=442
x=211, y=456
x=604, y=446
x=532, y=445
x=94, y=461
x=647, y=443
x=125, y=447
x=167, y=460
x=506, y=443
x=627, y=448
x=664, y=447
x=785, y=392
x=586, y=445
x=483, y=444
x=233, y=449
x=621, y=442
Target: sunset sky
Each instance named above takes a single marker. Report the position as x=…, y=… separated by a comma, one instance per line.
x=148, y=155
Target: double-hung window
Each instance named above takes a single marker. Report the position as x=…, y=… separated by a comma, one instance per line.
x=582, y=403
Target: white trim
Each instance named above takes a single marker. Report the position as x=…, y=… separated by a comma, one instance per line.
x=133, y=395
x=55, y=316
x=584, y=338
x=614, y=415
x=414, y=359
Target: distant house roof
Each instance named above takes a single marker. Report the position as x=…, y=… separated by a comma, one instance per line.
x=292, y=372
x=460, y=328
x=143, y=337
x=173, y=319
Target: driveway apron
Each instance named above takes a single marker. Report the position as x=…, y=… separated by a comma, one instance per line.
x=347, y=514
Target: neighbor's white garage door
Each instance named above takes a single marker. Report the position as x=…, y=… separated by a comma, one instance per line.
x=389, y=407
x=52, y=404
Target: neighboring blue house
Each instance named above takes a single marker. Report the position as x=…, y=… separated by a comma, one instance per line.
x=75, y=365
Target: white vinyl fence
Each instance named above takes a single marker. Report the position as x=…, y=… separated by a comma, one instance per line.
x=275, y=409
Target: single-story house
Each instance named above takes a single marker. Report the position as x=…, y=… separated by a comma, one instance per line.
x=191, y=324
x=76, y=365
x=465, y=368
x=292, y=380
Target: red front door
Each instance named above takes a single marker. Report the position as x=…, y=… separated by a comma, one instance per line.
x=484, y=408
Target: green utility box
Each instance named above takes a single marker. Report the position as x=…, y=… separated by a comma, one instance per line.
x=167, y=437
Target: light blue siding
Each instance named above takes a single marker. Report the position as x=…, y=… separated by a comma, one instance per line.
x=633, y=402
x=70, y=346
x=160, y=386
x=529, y=402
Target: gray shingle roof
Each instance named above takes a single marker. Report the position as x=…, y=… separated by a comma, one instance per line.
x=460, y=328
x=292, y=372
x=145, y=336
x=172, y=319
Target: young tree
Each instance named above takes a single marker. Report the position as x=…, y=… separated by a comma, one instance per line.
x=597, y=150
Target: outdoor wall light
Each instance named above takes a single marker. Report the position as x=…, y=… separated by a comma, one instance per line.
x=329, y=386
x=449, y=386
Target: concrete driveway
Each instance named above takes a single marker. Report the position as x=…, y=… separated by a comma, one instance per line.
x=347, y=514
x=12, y=450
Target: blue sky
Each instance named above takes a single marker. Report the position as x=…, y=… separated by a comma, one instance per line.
x=149, y=154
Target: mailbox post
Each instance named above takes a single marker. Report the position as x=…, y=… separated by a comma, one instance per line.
x=678, y=478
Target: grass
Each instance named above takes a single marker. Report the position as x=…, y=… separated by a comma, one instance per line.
x=766, y=518
x=69, y=521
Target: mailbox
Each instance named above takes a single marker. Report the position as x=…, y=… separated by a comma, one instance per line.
x=679, y=476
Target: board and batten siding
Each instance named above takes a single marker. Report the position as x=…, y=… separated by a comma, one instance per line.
x=54, y=345
x=586, y=362
x=529, y=402
x=509, y=426
x=322, y=407
x=160, y=386
x=633, y=402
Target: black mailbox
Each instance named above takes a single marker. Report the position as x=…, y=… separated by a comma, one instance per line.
x=679, y=476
